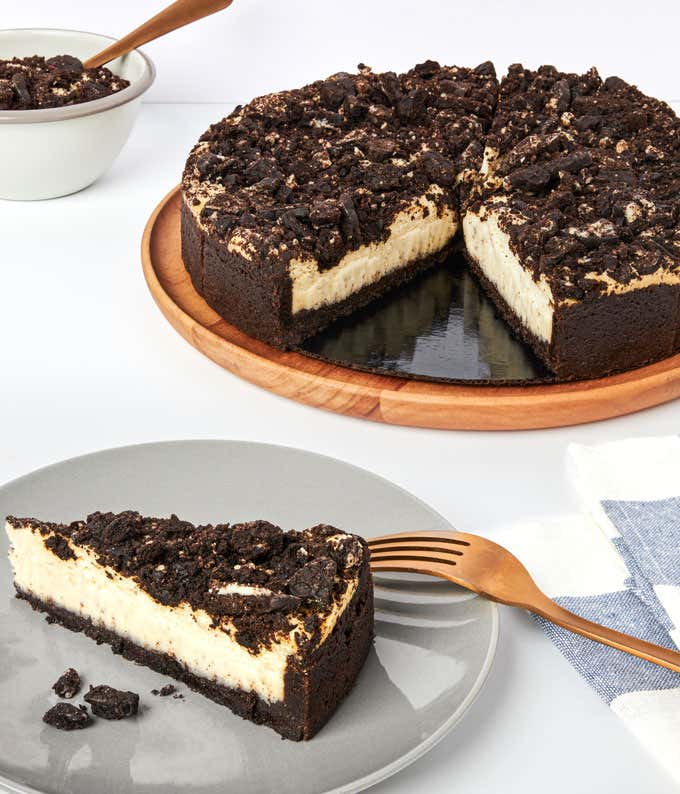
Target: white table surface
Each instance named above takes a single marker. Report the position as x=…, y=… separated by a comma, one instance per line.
x=88, y=362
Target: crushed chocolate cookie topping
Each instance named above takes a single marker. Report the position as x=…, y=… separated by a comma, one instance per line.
x=253, y=579
x=59, y=545
x=112, y=704
x=67, y=717
x=68, y=684
x=167, y=690
x=319, y=171
x=585, y=177
x=36, y=82
x=314, y=580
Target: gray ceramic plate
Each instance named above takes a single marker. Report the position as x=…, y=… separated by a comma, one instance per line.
x=433, y=650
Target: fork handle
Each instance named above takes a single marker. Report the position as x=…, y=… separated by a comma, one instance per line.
x=616, y=639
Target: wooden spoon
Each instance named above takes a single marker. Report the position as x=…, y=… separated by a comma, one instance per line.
x=174, y=16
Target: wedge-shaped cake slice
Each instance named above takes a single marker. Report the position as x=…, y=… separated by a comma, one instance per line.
x=305, y=205
x=575, y=228
x=274, y=625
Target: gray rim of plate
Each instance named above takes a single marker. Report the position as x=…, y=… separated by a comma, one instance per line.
x=42, y=115
x=408, y=758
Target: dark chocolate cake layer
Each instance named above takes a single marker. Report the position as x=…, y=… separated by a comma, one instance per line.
x=275, y=625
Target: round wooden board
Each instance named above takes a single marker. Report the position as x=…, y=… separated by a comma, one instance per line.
x=381, y=398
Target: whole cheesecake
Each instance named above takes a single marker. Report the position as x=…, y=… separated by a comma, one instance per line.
x=305, y=205
x=274, y=625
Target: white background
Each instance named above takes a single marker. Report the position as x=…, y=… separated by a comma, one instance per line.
x=257, y=46
x=87, y=362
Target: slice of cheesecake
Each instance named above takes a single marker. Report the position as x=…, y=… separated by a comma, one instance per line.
x=574, y=228
x=274, y=625
x=304, y=205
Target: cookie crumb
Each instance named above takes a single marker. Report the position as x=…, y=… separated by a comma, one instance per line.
x=112, y=704
x=67, y=717
x=168, y=689
x=68, y=684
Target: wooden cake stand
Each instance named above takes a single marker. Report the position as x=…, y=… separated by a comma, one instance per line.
x=382, y=398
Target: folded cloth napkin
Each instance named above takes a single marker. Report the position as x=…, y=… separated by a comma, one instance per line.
x=618, y=563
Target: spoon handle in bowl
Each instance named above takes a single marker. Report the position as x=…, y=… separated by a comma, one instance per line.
x=176, y=15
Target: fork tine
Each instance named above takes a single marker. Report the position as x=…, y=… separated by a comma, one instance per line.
x=446, y=539
x=412, y=556
x=407, y=548
x=403, y=565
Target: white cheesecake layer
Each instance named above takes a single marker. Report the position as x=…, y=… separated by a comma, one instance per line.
x=116, y=603
x=489, y=246
x=415, y=233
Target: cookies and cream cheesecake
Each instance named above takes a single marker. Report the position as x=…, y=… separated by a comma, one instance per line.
x=302, y=206
x=274, y=625
x=575, y=228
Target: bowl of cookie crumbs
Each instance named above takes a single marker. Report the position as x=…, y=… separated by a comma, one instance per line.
x=61, y=125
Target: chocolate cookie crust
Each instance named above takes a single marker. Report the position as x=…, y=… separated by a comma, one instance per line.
x=35, y=82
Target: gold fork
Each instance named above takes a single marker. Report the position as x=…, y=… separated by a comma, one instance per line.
x=492, y=571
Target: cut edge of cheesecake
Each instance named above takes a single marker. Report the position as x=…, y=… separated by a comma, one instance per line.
x=420, y=235
x=281, y=685
x=582, y=321
x=394, y=160
x=573, y=338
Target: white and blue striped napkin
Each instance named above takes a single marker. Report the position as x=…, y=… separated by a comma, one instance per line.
x=618, y=563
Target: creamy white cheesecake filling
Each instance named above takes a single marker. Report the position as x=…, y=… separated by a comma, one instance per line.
x=85, y=588
x=415, y=233
x=489, y=246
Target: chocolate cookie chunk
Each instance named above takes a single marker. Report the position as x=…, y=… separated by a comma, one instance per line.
x=66, y=64
x=68, y=684
x=67, y=717
x=314, y=581
x=112, y=704
x=60, y=547
x=256, y=539
x=168, y=689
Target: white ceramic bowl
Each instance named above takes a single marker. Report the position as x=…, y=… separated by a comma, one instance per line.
x=56, y=151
